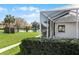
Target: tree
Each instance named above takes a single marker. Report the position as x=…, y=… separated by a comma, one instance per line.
x=20, y=23
x=9, y=24
x=35, y=26
x=28, y=27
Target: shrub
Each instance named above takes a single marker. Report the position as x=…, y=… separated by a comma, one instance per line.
x=41, y=46
x=6, y=30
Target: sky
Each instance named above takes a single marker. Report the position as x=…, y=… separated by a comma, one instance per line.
x=30, y=12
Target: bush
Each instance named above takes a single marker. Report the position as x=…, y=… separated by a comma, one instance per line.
x=41, y=46
x=6, y=30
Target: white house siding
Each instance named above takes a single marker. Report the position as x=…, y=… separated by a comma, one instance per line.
x=69, y=21
x=70, y=30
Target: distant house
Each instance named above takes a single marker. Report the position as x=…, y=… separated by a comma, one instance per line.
x=1, y=25
x=60, y=23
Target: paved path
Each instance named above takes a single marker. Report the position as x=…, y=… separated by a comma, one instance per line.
x=9, y=47
x=38, y=36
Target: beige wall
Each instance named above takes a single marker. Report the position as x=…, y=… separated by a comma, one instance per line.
x=70, y=30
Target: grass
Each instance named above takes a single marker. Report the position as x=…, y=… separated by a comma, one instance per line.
x=12, y=51
x=9, y=39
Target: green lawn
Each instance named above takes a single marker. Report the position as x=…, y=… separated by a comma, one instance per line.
x=13, y=51
x=9, y=39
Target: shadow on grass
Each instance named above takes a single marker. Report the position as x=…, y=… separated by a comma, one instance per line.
x=19, y=53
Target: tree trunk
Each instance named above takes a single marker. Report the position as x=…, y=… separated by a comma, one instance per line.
x=9, y=28
x=26, y=30
x=17, y=29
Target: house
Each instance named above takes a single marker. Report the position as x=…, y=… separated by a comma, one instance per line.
x=60, y=23
x=1, y=25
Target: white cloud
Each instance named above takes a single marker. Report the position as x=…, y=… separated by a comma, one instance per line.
x=38, y=10
x=32, y=8
x=33, y=13
x=31, y=17
x=26, y=8
x=2, y=9
x=23, y=8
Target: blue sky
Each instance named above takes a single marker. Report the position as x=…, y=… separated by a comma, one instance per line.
x=30, y=12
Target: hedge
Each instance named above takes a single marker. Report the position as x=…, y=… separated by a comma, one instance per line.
x=42, y=46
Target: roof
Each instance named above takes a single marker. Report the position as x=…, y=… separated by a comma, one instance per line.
x=63, y=14
x=68, y=7
x=60, y=12
x=67, y=18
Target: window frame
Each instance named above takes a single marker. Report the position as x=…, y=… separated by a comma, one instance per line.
x=63, y=27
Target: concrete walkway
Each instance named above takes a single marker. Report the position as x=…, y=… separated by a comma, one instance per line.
x=38, y=36
x=9, y=47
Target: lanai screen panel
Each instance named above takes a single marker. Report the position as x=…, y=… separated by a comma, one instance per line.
x=48, y=16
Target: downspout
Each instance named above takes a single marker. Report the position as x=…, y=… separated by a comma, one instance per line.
x=40, y=26
x=76, y=23
x=47, y=28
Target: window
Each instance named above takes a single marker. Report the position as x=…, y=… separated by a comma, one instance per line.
x=61, y=28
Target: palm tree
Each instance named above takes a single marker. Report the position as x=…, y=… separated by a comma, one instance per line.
x=9, y=21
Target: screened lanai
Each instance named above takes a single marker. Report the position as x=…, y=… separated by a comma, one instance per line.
x=49, y=18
